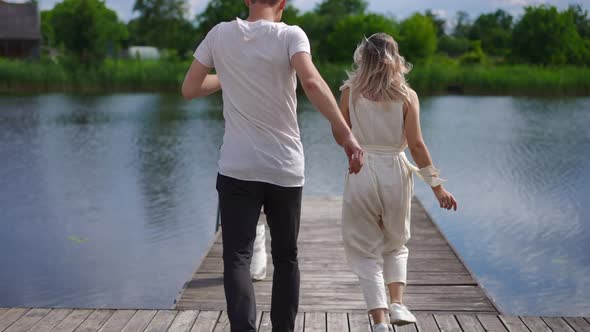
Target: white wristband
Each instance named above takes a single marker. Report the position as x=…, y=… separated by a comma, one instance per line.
x=429, y=174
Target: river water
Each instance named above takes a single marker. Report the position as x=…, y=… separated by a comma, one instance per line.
x=109, y=201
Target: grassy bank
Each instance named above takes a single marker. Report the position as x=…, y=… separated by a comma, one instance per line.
x=111, y=76
x=443, y=78
x=432, y=78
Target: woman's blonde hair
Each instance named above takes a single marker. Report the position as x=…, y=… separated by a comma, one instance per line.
x=379, y=71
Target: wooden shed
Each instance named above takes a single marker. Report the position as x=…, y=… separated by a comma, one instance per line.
x=20, y=34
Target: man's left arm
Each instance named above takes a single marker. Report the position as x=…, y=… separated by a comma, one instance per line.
x=198, y=82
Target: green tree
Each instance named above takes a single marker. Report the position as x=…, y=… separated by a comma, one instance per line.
x=163, y=24
x=439, y=23
x=86, y=28
x=339, y=8
x=321, y=22
x=546, y=36
x=291, y=14
x=226, y=10
x=494, y=30
x=417, y=40
x=581, y=20
x=463, y=25
x=316, y=28
x=454, y=46
x=47, y=29
x=351, y=30
x=220, y=11
x=475, y=56
x=156, y=9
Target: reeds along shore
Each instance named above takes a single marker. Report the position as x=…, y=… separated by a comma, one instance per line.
x=427, y=79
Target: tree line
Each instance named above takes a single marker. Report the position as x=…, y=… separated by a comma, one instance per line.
x=543, y=35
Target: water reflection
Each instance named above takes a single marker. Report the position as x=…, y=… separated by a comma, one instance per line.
x=125, y=173
x=159, y=153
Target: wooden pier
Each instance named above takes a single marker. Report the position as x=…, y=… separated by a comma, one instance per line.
x=437, y=279
x=441, y=292
x=84, y=320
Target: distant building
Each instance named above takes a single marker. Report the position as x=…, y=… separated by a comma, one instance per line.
x=143, y=52
x=20, y=32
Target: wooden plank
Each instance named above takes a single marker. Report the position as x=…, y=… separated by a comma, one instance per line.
x=222, y=323
x=457, y=300
x=578, y=324
x=348, y=288
x=315, y=322
x=351, y=306
x=299, y=322
x=447, y=323
x=491, y=323
x=337, y=322
x=71, y=322
x=469, y=323
x=416, y=301
x=206, y=321
x=95, y=321
x=258, y=318
x=59, y=320
x=28, y=320
x=265, y=324
x=535, y=324
x=184, y=320
x=557, y=324
x=118, y=320
x=215, y=265
x=204, y=279
x=406, y=328
x=513, y=324
x=426, y=323
x=139, y=321
x=12, y=316
x=161, y=321
x=50, y=320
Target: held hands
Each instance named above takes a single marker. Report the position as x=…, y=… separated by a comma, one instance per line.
x=354, y=153
x=344, y=137
x=445, y=198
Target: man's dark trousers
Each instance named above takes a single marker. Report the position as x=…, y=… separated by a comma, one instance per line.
x=240, y=203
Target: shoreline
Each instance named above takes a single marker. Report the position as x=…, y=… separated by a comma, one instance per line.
x=429, y=79
x=33, y=91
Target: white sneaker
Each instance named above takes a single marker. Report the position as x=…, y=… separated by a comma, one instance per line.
x=400, y=315
x=382, y=328
x=259, y=257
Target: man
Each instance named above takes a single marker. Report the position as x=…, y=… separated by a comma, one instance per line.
x=261, y=160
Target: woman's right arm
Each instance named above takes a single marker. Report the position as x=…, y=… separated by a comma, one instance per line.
x=419, y=150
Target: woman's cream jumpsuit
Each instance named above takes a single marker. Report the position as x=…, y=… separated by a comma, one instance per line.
x=377, y=200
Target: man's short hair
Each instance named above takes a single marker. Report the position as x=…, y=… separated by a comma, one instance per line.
x=268, y=2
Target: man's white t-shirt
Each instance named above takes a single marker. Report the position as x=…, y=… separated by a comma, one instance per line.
x=253, y=62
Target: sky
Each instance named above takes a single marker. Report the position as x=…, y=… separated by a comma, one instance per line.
x=397, y=8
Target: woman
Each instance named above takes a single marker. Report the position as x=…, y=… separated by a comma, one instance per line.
x=384, y=114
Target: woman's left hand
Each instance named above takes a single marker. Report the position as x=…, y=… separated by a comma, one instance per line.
x=445, y=198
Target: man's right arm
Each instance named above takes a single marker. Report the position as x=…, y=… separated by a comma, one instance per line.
x=198, y=82
x=320, y=95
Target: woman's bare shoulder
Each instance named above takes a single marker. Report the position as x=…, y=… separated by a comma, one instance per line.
x=413, y=96
x=412, y=102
